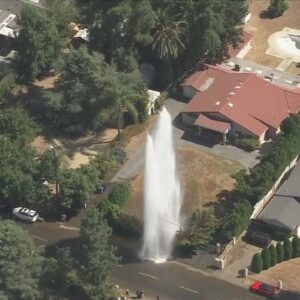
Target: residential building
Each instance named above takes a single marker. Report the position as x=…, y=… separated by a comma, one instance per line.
x=224, y=102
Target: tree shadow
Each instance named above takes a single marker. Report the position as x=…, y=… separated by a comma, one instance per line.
x=264, y=14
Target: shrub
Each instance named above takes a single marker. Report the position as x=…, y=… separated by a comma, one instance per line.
x=246, y=143
x=119, y=155
x=288, y=249
x=280, y=252
x=7, y=84
x=119, y=194
x=296, y=246
x=277, y=8
x=160, y=101
x=265, y=255
x=273, y=255
x=128, y=226
x=257, y=263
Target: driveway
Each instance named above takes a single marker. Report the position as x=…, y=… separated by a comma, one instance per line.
x=182, y=139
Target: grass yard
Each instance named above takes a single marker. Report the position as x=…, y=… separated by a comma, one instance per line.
x=203, y=177
x=262, y=28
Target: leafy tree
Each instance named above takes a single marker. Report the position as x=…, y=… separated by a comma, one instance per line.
x=119, y=194
x=7, y=85
x=296, y=246
x=167, y=35
x=202, y=224
x=20, y=263
x=98, y=258
x=277, y=8
x=265, y=255
x=273, y=255
x=55, y=277
x=91, y=92
x=38, y=42
x=18, y=167
x=16, y=124
x=121, y=27
x=257, y=263
x=76, y=186
x=63, y=12
x=288, y=249
x=280, y=252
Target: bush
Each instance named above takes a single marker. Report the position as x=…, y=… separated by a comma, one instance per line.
x=288, y=249
x=280, y=252
x=127, y=225
x=273, y=255
x=7, y=84
x=246, y=143
x=296, y=246
x=277, y=8
x=265, y=255
x=119, y=194
x=119, y=155
x=257, y=263
x=160, y=101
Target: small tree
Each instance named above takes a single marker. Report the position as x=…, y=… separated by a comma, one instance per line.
x=280, y=252
x=296, y=246
x=120, y=194
x=288, y=249
x=277, y=8
x=273, y=255
x=265, y=255
x=257, y=263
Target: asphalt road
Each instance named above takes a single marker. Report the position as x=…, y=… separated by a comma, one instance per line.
x=170, y=281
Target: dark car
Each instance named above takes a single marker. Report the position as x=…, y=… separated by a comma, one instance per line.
x=259, y=238
x=100, y=188
x=264, y=289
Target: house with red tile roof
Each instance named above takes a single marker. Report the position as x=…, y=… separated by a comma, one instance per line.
x=226, y=102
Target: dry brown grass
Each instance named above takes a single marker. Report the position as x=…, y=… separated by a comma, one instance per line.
x=262, y=28
x=203, y=176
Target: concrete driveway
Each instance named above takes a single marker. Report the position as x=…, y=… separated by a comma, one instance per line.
x=182, y=139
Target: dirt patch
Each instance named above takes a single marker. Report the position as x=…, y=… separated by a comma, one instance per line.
x=262, y=28
x=47, y=83
x=203, y=176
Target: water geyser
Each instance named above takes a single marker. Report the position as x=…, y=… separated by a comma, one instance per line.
x=162, y=196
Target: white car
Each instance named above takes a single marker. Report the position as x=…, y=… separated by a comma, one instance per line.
x=25, y=214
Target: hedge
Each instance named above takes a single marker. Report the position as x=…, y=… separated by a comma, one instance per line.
x=119, y=194
x=272, y=255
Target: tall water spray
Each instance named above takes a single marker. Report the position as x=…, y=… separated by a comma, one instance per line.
x=162, y=200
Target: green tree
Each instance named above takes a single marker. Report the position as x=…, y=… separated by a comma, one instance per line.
x=17, y=177
x=119, y=194
x=257, y=263
x=167, y=35
x=265, y=255
x=7, y=85
x=273, y=255
x=288, y=249
x=280, y=252
x=296, y=246
x=277, y=8
x=20, y=263
x=38, y=43
x=98, y=258
x=63, y=12
x=76, y=186
x=201, y=226
x=16, y=124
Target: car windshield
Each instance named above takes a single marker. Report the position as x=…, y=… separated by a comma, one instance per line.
x=267, y=287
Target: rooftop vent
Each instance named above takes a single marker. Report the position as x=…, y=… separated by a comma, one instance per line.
x=217, y=103
x=230, y=104
x=237, y=87
x=231, y=93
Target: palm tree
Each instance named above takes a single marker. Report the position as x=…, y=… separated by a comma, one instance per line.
x=122, y=97
x=167, y=34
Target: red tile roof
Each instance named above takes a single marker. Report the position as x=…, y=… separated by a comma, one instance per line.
x=243, y=98
x=215, y=125
x=246, y=37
